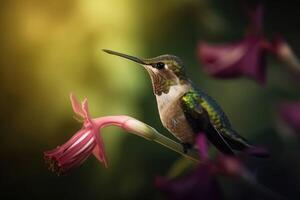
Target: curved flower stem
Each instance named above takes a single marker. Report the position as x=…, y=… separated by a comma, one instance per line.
x=143, y=130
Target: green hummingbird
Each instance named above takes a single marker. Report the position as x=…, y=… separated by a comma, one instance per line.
x=186, y=111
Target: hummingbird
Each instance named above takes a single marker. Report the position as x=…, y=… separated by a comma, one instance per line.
x=186, y=111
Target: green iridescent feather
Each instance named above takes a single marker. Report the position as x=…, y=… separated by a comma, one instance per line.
x=196, y=104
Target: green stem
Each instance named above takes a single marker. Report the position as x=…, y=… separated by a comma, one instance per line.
x=171, y=144
x=143, y=130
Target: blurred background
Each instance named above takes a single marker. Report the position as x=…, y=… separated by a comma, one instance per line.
x=51, y=48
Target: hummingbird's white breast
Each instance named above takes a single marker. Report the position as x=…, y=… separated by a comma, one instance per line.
x=172, y=115
x=165, y=99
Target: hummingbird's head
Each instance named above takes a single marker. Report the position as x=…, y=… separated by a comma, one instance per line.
x=165, y=70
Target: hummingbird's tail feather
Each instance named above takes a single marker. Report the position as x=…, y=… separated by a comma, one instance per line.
x=218, y=140
x=239, y=143
x=257, y=151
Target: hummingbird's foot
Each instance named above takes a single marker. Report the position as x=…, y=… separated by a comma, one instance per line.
x=186, y=147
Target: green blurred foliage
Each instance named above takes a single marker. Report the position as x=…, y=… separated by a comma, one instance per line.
x=51, y=48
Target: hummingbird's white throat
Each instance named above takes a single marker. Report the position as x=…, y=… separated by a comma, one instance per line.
x=162, y=79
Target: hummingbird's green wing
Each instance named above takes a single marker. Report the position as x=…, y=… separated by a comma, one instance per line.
x=199, y=120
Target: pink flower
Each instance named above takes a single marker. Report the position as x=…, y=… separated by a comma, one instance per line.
x=243, y=58
x=201, y=183
x=88, y=139
x=246, y=57
x=85, y=142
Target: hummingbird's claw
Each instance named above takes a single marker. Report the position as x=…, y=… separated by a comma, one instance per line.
x=186, y=147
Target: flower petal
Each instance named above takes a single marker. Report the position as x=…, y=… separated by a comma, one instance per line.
x=202, y=145
x=72, y=153
x=244, y=58
x=85, y=109
x=76, y=106
x=99, y=150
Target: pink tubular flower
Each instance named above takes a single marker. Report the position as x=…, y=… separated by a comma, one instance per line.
x=80, y=146
x=87, y=140
x=248, y=56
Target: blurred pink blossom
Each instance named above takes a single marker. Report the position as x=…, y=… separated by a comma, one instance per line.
x=246, y=57
x=201, y=183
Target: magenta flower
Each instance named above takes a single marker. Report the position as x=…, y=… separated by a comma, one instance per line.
x=246, y=57
x=201, y=183
x=290, y=116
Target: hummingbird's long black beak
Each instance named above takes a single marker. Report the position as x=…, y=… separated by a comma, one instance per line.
x=135, y=59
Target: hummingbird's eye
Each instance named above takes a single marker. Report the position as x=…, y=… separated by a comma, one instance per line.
x=160, y=65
